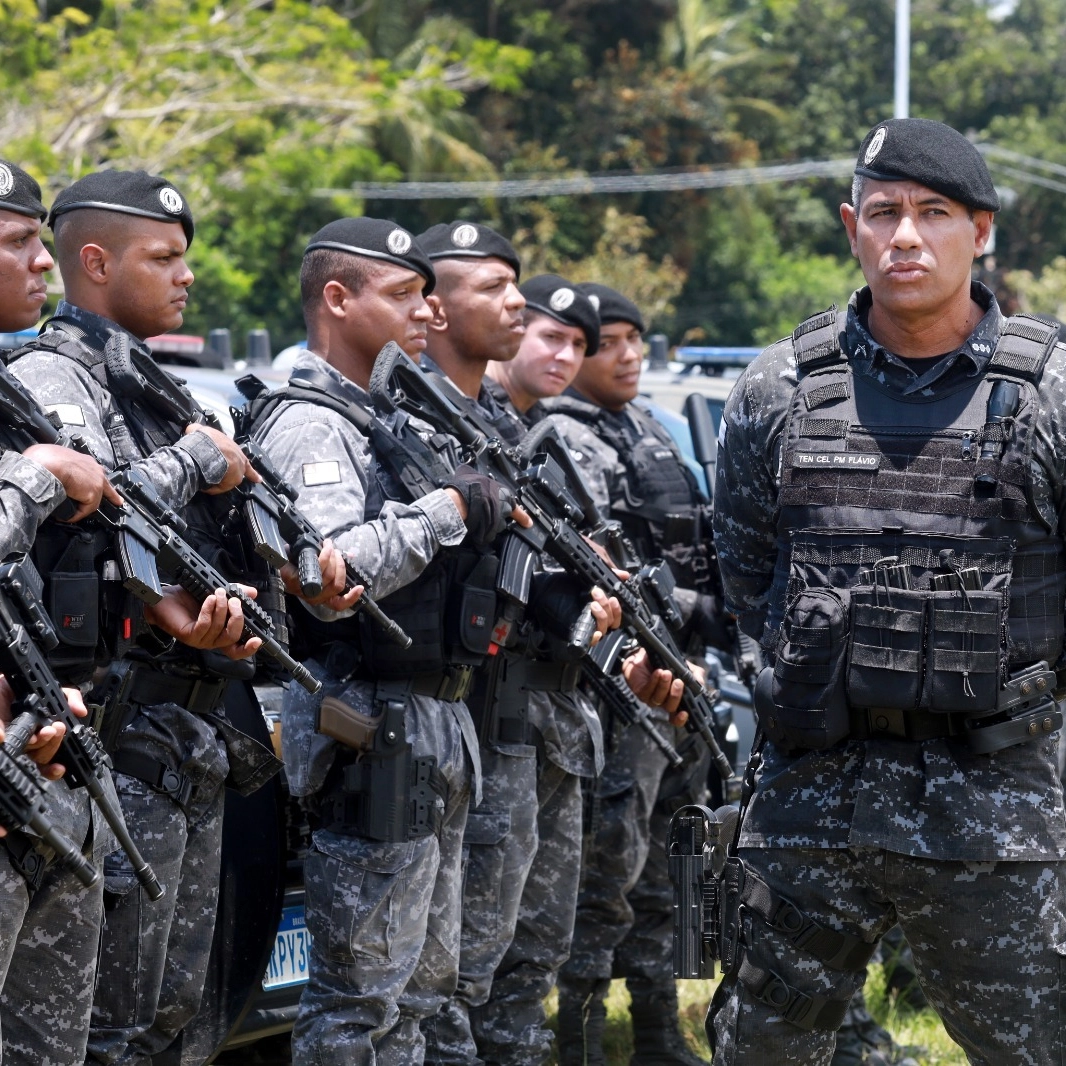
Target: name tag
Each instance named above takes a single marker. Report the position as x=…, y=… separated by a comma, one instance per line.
x=836, y=460
x=70, y=414
x=322, y=473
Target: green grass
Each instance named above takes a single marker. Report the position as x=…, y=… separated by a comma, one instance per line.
x=921, y=1029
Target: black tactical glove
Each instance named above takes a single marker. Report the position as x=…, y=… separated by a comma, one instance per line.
x=488, y=503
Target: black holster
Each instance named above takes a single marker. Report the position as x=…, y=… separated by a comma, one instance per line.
x=385, y=793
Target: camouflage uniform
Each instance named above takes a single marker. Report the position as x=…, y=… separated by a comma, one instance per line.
x=511, y=1027
x=964, y=850
x=150, y=949
x=46, y=994
x=384, y=916
x=624, y=924
x=499, y=846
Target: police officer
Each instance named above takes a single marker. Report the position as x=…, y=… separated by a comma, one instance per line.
x=32, y=485
x=477, y=318
x=389, y=801
x=120, y=240
x=560, y=326
x=624, y=924
x=889, y=521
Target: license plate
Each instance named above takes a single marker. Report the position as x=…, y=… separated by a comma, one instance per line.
x=292, y=951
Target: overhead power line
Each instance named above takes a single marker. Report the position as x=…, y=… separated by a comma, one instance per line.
x=585, y=185
x=667, y=180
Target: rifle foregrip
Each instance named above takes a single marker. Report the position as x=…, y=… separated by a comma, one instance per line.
x=309, y=572
x=67, y=854
x=19, y=732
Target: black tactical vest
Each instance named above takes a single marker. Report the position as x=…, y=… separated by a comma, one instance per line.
x=215, y=527
x=654, y=496
x=915, y=571
x=449, y=610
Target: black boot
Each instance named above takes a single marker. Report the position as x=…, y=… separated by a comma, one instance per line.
x=582, y=1017
x=657, y=1037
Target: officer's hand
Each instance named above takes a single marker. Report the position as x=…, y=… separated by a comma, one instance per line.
x=606, y=613
x=83, y=479
x=657, y=688
x=45, y=742
x=334, y=578
x=484, y=504
x=237, y=466
x=217, y=624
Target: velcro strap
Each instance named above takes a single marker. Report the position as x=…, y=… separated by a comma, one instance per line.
x=816, y=341
x=155, y=774
x=804, y=1010
x=1023, y=347
x=838, y=951
x=833, y=428
x=826, y=394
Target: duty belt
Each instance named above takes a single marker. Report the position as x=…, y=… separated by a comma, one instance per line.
x=449, y=685
x=196, y=695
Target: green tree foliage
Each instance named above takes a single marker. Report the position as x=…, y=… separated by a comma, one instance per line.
x=266, y=111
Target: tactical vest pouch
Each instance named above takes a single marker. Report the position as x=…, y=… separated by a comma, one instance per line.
x=963, y=651
x=809, y=708
x=885, y=661
x=74, y=605
x=471, y=612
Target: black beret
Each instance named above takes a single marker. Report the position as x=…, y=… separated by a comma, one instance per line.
x=468, y=240
x=556, y=297
x=130, y=192
x=376, y=238
x=612, y=305
x=19, y=192
x=932, y=154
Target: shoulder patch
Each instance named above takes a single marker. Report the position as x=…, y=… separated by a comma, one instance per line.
x=328, y=473
x=70, y=414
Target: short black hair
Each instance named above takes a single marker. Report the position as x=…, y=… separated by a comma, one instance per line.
x=323, y=265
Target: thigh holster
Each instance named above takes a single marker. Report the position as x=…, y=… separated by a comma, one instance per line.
x=385, y=793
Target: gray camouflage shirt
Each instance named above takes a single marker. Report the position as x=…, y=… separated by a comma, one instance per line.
x=914, y=798
x=28, y=495
x=330, y=463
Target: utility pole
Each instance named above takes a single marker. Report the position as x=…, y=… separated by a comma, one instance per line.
x=903, y=59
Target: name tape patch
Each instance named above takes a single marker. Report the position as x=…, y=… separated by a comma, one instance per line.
x=322, y=473
x=836, y=460
x=70, y=414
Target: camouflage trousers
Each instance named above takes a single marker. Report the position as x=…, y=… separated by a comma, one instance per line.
x=499, y=846
x=617, y=846
x=384, y=918
x=48, y=948
x=989, y=943
x=511, y=1028
x=153, y=956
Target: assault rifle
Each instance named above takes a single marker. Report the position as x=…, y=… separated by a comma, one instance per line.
x=147, y=531
x=535, y=473
x=282, y=533
x=22, y=807
x=279, y=532
x=600, y=666
x=24, y=625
